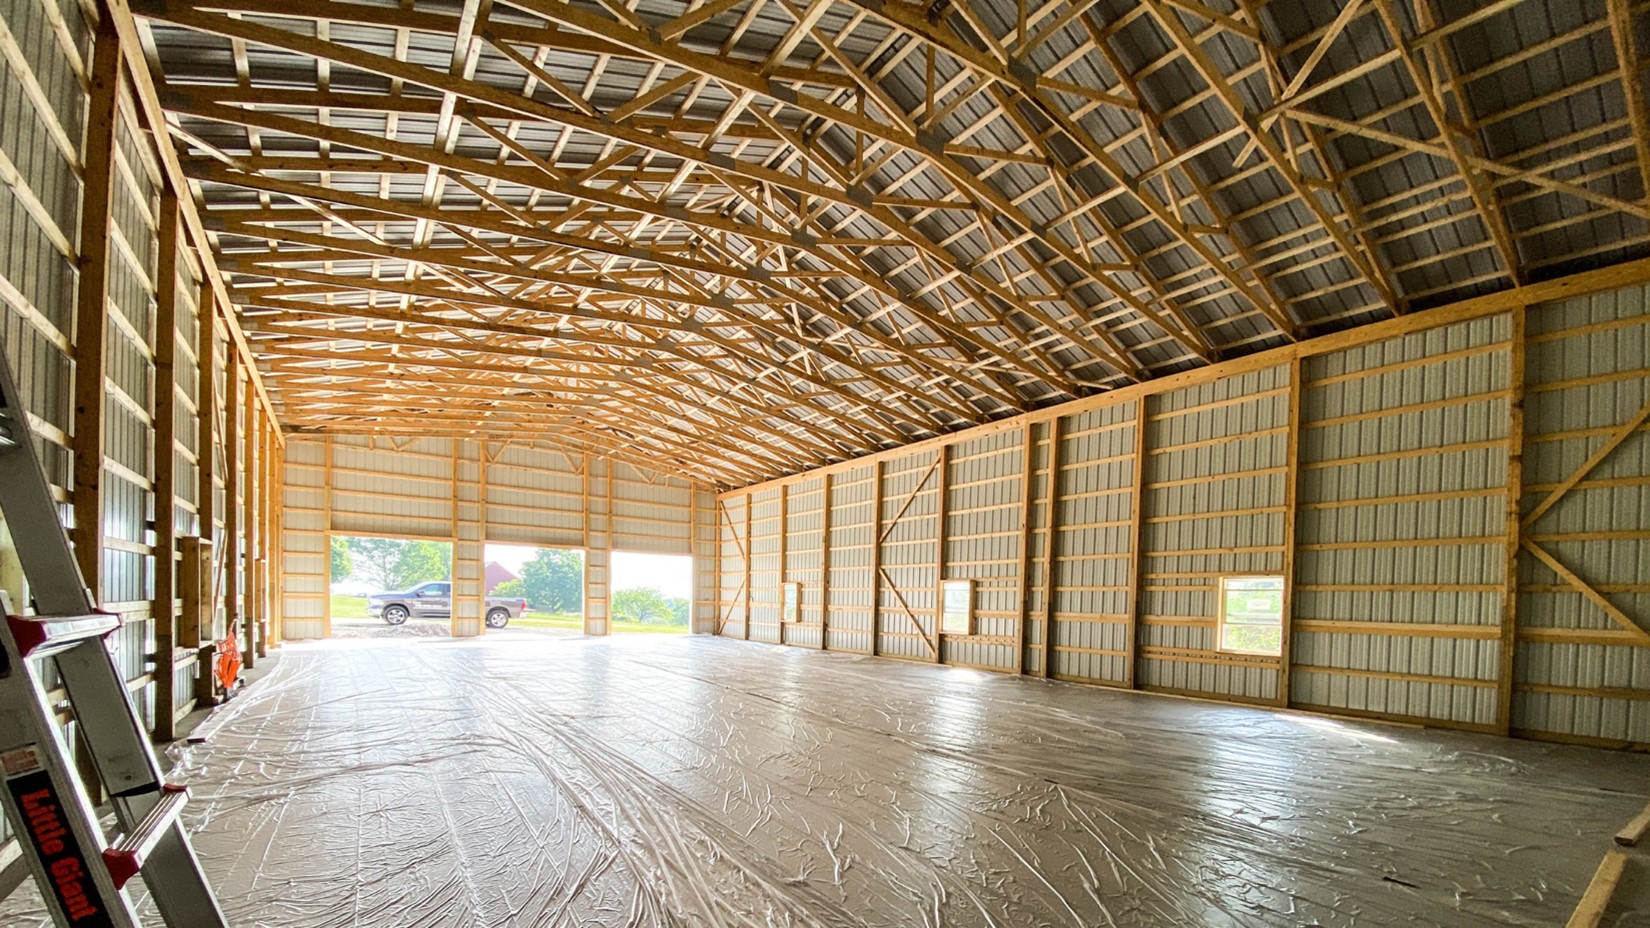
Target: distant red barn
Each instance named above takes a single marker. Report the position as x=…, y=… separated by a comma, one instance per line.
x=497, y=573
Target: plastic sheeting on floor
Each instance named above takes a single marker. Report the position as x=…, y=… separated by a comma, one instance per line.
x=699, y=782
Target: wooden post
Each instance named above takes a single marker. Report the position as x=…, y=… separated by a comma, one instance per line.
x=1137, y=540
x=1507, y=668
x=251, y=486
x=326, y=526
x=584, y=607
x=277, y=507
x=206, y=490
x=695, y=594
x=1291, y=482
x=607, y=552
x=233, y=559
x=1051, y=543
x=784, y=554
x=825, y=560
x=271, y=538
x=876, y=557
x=1028, y=477
x=750, y=555
x=91, y=316
x=481, y=543
x=164, y=610
x=943, y=482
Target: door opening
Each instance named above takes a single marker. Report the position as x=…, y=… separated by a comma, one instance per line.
x=390, y=587
x=535, y=590
x=652, y=593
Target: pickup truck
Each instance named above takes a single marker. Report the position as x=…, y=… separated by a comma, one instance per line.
x=435, y=600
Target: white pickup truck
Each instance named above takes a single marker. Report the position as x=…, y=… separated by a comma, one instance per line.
x=435, y=600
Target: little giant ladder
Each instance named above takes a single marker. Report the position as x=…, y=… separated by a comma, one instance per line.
x=82, y=877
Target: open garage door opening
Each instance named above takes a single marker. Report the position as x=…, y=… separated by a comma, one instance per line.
x=652, y=593
x=391, y=587
x=536, y=590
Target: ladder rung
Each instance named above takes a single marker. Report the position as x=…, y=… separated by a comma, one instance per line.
x=126, y=856
x=39, y=636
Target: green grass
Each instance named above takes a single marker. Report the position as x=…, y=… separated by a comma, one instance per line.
x=349, y=607
x=355, y=607
x=575, y=622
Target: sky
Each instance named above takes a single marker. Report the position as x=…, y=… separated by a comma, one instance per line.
x=670, y=574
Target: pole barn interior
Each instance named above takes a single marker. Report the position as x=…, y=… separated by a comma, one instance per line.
x=1193, y=456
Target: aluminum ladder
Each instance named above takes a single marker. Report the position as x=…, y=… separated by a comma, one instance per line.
x=82, y=876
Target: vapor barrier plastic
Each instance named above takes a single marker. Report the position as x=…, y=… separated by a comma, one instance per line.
x=704, y=782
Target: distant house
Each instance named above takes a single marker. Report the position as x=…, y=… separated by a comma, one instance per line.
x=497, y=573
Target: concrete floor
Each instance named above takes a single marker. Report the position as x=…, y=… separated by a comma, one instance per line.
x=667, y=781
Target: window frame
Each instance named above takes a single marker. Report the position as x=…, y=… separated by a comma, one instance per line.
x=1220, y=614
x=971, y=618
x=786, y=615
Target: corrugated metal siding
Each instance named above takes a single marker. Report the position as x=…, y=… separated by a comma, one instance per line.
x=1214, y=507
x=763, y=595
x=304, y=593
x=1093, y=572
x=707, y=562
x=982, y=543
x=536, y=497
x=1400, y=530
x=909, y=589
x=1037, y=570
x=651, y=511
x=848, y=609
x=378, y=490
x=733, y=547
x=40, y=147
x=1587, y=375
x=1402, y=525
x=804, y=563
x=128, y=407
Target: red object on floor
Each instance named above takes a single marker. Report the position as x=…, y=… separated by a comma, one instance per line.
x=227, y=667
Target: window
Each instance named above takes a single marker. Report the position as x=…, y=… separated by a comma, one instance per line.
x=957, y=607
x=791, y=609
x=1251, y=615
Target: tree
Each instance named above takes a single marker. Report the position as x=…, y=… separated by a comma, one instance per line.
x=396, y=564
x=342, y=564
x=642, y=604
x=510, y=589
x=553, y=581
x=423, y=560
x=679, y=610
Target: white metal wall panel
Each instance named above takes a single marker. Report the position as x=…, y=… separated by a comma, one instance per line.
x=848, y=610
x=734, y=547
x=1402, y=525
x=1214, y=507
x=707, y=562
x=1093, y=572
x=651, y=511
x=305, y=594
x=378, y=489
x=39, y=210
x=535, y=497
x=909, y=588
x=1401, y=472
x=804, y=549
x=765, y=543
x=1582, y=674
x=983, y=536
